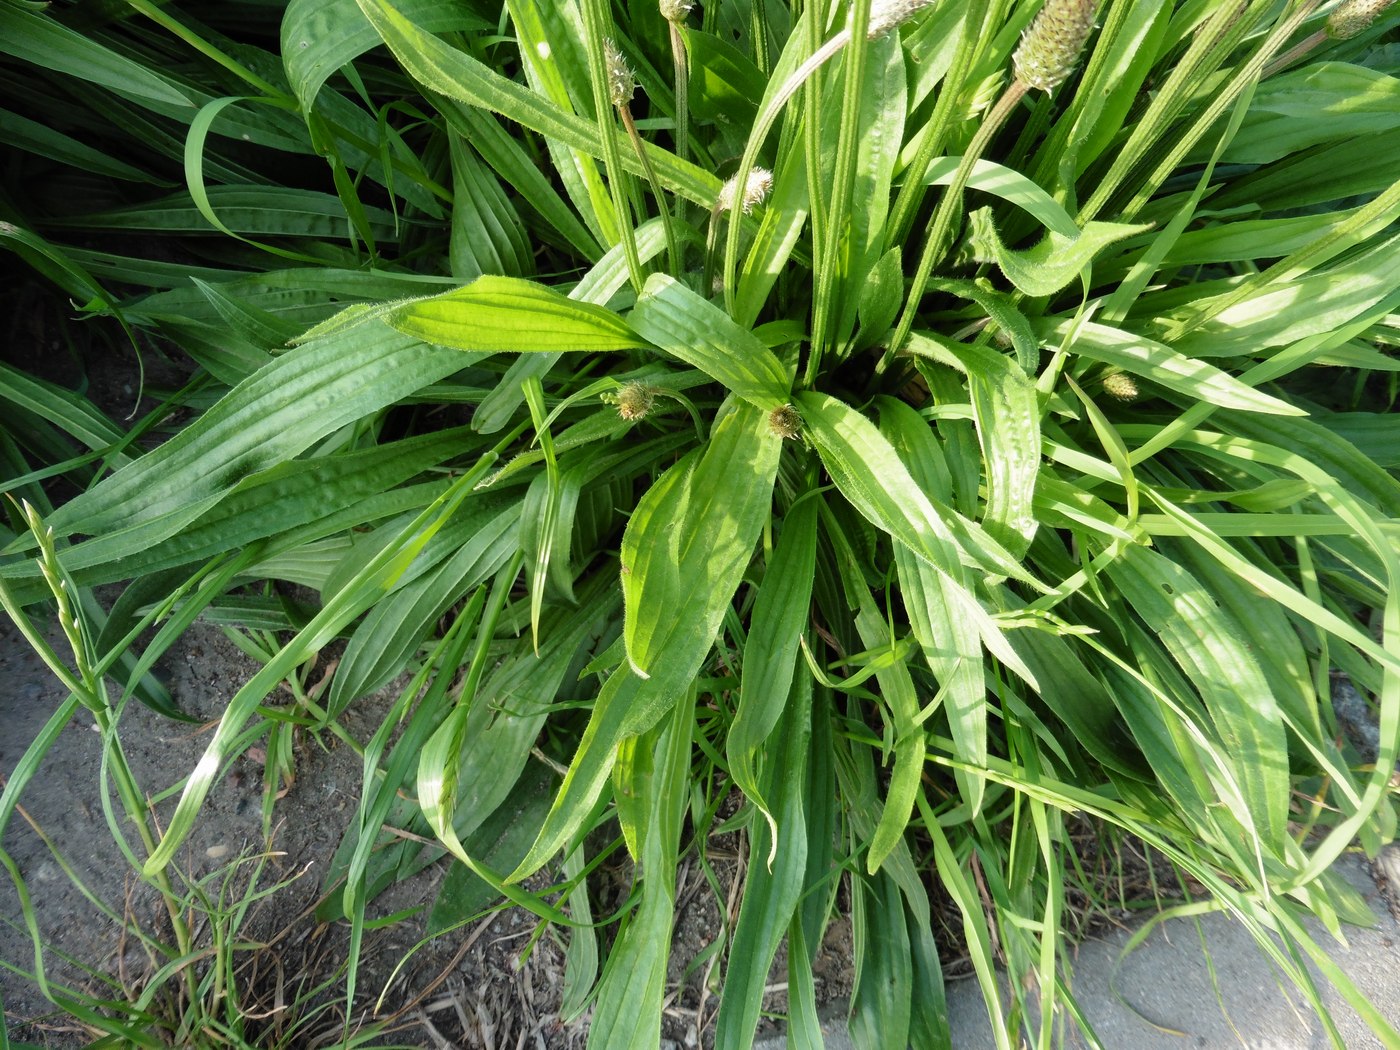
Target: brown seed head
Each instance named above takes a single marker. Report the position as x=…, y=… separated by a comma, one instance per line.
x=785, y=422
x=635, y=400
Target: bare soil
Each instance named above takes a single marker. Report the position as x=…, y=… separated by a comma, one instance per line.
x=490, y=984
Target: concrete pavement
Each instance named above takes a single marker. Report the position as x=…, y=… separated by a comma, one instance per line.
x=1163, y=995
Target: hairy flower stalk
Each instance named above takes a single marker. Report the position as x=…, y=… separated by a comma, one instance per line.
x=85, y=682
x=621, y=87
x=1047, y=55
x=611, y=82
x=1050, y=48
x=675, y=12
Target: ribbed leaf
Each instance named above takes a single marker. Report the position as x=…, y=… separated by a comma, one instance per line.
x=388, y=636
x=278, y=500
x=41, y=39
x=686, y=547
x=689, y=540
x=627, y=1014
x=268, y=418
x=442, y=68
x=1210, y=647
x=701, y=334
x=1006, y=410
x=507, y=313
x=868, y=472
x=320, y=36
x=777, y=863
x=1052, y=264
x=780, y=615
x=263, y=210
x=1163, y=365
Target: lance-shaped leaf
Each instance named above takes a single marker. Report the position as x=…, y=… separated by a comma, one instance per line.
x=513, y=315
x=684, y=553
x=269, y=418
x=702, y=335
x=869, y=473
x=689, y=539
x=780, y=613
x=1162, y=365
x=1007, y=413
x=1211, y=648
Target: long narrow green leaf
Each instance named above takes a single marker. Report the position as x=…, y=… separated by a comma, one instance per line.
x=777, y=862
x=689, y=539
x=627, y=1014
x=1161, y=364
x=780, y=614
x=701, y=334
x=388, y=636
x=347, y=603
x=267, y=419
x=321, y=36
x=868, y=472
x=508, y=313
x=47, y=43
x=1210, y=647
x=686, y=547
x=1006, y=410
x=442, y=68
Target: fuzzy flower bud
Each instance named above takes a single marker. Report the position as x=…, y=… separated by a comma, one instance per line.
x=621, y=83
x=675, y=10
x=1353, y=17
x=756, y=188
x=635, y=400
x=785, y=422
x=889, y=14
x=1121, y=386
x=1050, y=47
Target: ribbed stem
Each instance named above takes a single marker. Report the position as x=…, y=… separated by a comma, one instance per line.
x=941, y=226
x=604, y=93
x=673, y=248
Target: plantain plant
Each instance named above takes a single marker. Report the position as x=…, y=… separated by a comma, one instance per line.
x=925, y=425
